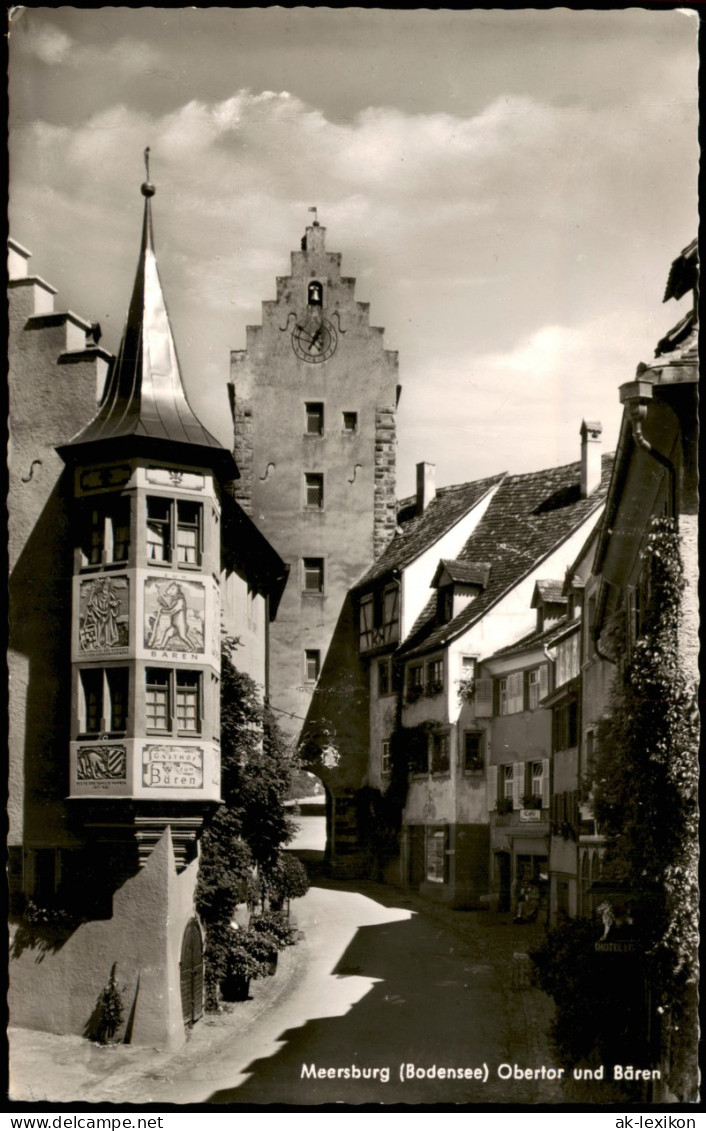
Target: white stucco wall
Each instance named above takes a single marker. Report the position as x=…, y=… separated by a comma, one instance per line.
x=416, y=578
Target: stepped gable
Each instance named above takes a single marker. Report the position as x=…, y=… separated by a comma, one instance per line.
x=417, y=532
x=528, y=517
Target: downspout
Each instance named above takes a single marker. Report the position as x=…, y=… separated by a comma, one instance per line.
x=636, y=396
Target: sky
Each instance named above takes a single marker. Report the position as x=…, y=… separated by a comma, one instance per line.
x=509, y=188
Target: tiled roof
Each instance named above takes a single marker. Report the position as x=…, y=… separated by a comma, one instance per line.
x=538, y=639
x=683, y=273
x=466, y=573
x=418, y=532
x=528, y=517
x=548, y=592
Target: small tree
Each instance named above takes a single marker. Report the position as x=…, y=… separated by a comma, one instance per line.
x=247, y=831
x=287, y=879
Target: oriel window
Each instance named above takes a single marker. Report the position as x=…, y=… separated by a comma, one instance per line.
x=159, y=537
x=188, y=701
x=158, y=714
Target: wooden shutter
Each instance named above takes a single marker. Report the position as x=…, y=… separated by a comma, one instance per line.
x=484, y=698
x=518, y=778
x=543, y=680
x=515, y=693
x=492, y=786
x=545, y=783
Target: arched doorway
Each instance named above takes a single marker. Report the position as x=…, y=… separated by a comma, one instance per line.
x=191, y=973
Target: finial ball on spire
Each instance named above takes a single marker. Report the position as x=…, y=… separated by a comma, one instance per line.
x=147, y=189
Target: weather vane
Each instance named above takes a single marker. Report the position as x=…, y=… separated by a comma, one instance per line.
x=147, y=188
x=316, y=215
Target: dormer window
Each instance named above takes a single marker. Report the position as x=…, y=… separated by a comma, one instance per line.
x=457, y=584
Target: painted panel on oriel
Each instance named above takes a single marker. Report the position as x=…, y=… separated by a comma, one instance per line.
x=104, y=615
x=174, y=615
x=172, y=767
x=101, y=762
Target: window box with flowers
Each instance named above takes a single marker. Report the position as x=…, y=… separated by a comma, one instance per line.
x=503, y=806
x=434, y=687
x=466, y=689
x=531, y=801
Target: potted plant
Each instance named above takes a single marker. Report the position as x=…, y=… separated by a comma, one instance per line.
x=466, y=689
x=243, y=963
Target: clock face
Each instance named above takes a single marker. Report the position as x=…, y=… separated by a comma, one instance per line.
x=314, y=339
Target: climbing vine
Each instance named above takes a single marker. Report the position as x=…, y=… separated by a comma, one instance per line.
x=646, y=791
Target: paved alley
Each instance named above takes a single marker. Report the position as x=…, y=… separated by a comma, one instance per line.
x=379, y=988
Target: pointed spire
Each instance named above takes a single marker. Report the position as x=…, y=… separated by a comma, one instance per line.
x=144, y=396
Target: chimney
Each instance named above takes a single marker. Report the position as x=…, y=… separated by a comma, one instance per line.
x=426, y=485
x=590, y=456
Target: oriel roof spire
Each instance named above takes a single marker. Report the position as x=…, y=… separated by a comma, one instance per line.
x=144, y=397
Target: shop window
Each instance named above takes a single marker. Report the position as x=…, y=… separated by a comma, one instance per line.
x=313, y=575
x=473, y=747
x=312, y=664
x=437, y=843
x=103, y=700
x=314, y=418
x=314, y=483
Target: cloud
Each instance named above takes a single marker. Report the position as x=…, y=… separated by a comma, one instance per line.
x=515, y=254
x=52, y=46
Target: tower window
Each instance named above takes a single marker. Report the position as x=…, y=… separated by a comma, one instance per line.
x=314, y=490
x=314, y=575
x=350, y=422
x=314, y=418
x=315, y=294
x=312, y=664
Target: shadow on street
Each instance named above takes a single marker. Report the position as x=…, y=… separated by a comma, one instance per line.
x=432, y=1006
